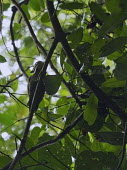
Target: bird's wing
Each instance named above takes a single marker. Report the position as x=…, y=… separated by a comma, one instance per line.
x=40, y=90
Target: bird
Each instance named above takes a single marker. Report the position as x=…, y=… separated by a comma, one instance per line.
x=36, y=87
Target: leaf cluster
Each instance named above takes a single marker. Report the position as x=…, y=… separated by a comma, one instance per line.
x=73, y=128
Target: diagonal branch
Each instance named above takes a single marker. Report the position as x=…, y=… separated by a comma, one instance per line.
x=61, y=36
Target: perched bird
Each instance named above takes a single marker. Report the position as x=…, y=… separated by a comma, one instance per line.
x=36, y=87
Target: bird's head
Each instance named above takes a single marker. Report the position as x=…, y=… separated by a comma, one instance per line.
x=37, y=67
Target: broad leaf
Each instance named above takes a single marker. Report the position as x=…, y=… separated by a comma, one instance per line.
x=111, y=22
x=17, y=30
x=45, y=18
x=4, y=160
x=114, y=45
x=98, y=11
x=25, y=9
x=37, y=6
x=82, y=52
x=71, y=5
x=90, y=112
x=52, y=84
x=96, y=47
x=75, y=37
x=114, y=138
x=113, y=83
x=2, y=59
x=118, y=6
x=121, y=68
x=35, y=134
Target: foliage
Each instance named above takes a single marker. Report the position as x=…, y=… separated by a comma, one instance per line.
x=75, y=127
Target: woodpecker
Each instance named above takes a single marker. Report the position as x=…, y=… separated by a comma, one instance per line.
x=35, y=85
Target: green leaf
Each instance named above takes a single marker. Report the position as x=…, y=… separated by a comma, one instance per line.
x=6, y=6
x=113, y=6
x=111, y=22
x=17, y=30
x=28, y=41
x=14, y=84
x=90, y=113
x=98, y=11
x=6, y=1
x=43, y=115
x=35, y=134
x=96, y=46
x=3, y=98
x=2, y=59
x=68, y=67
x=114, y=45
x=82, y=52
x=96, y=160
x=52, y=84
x=58, y=155
x=63, y=106
x=114, y=138
x=45, y=18
x=25, y=9
x=87, y=160
x=4, y=160
x=37, y=6
x=27, y=160
x=75, y=37
x=44, y=103
x=113, y=83
x=71, y=5
x=121, y=68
